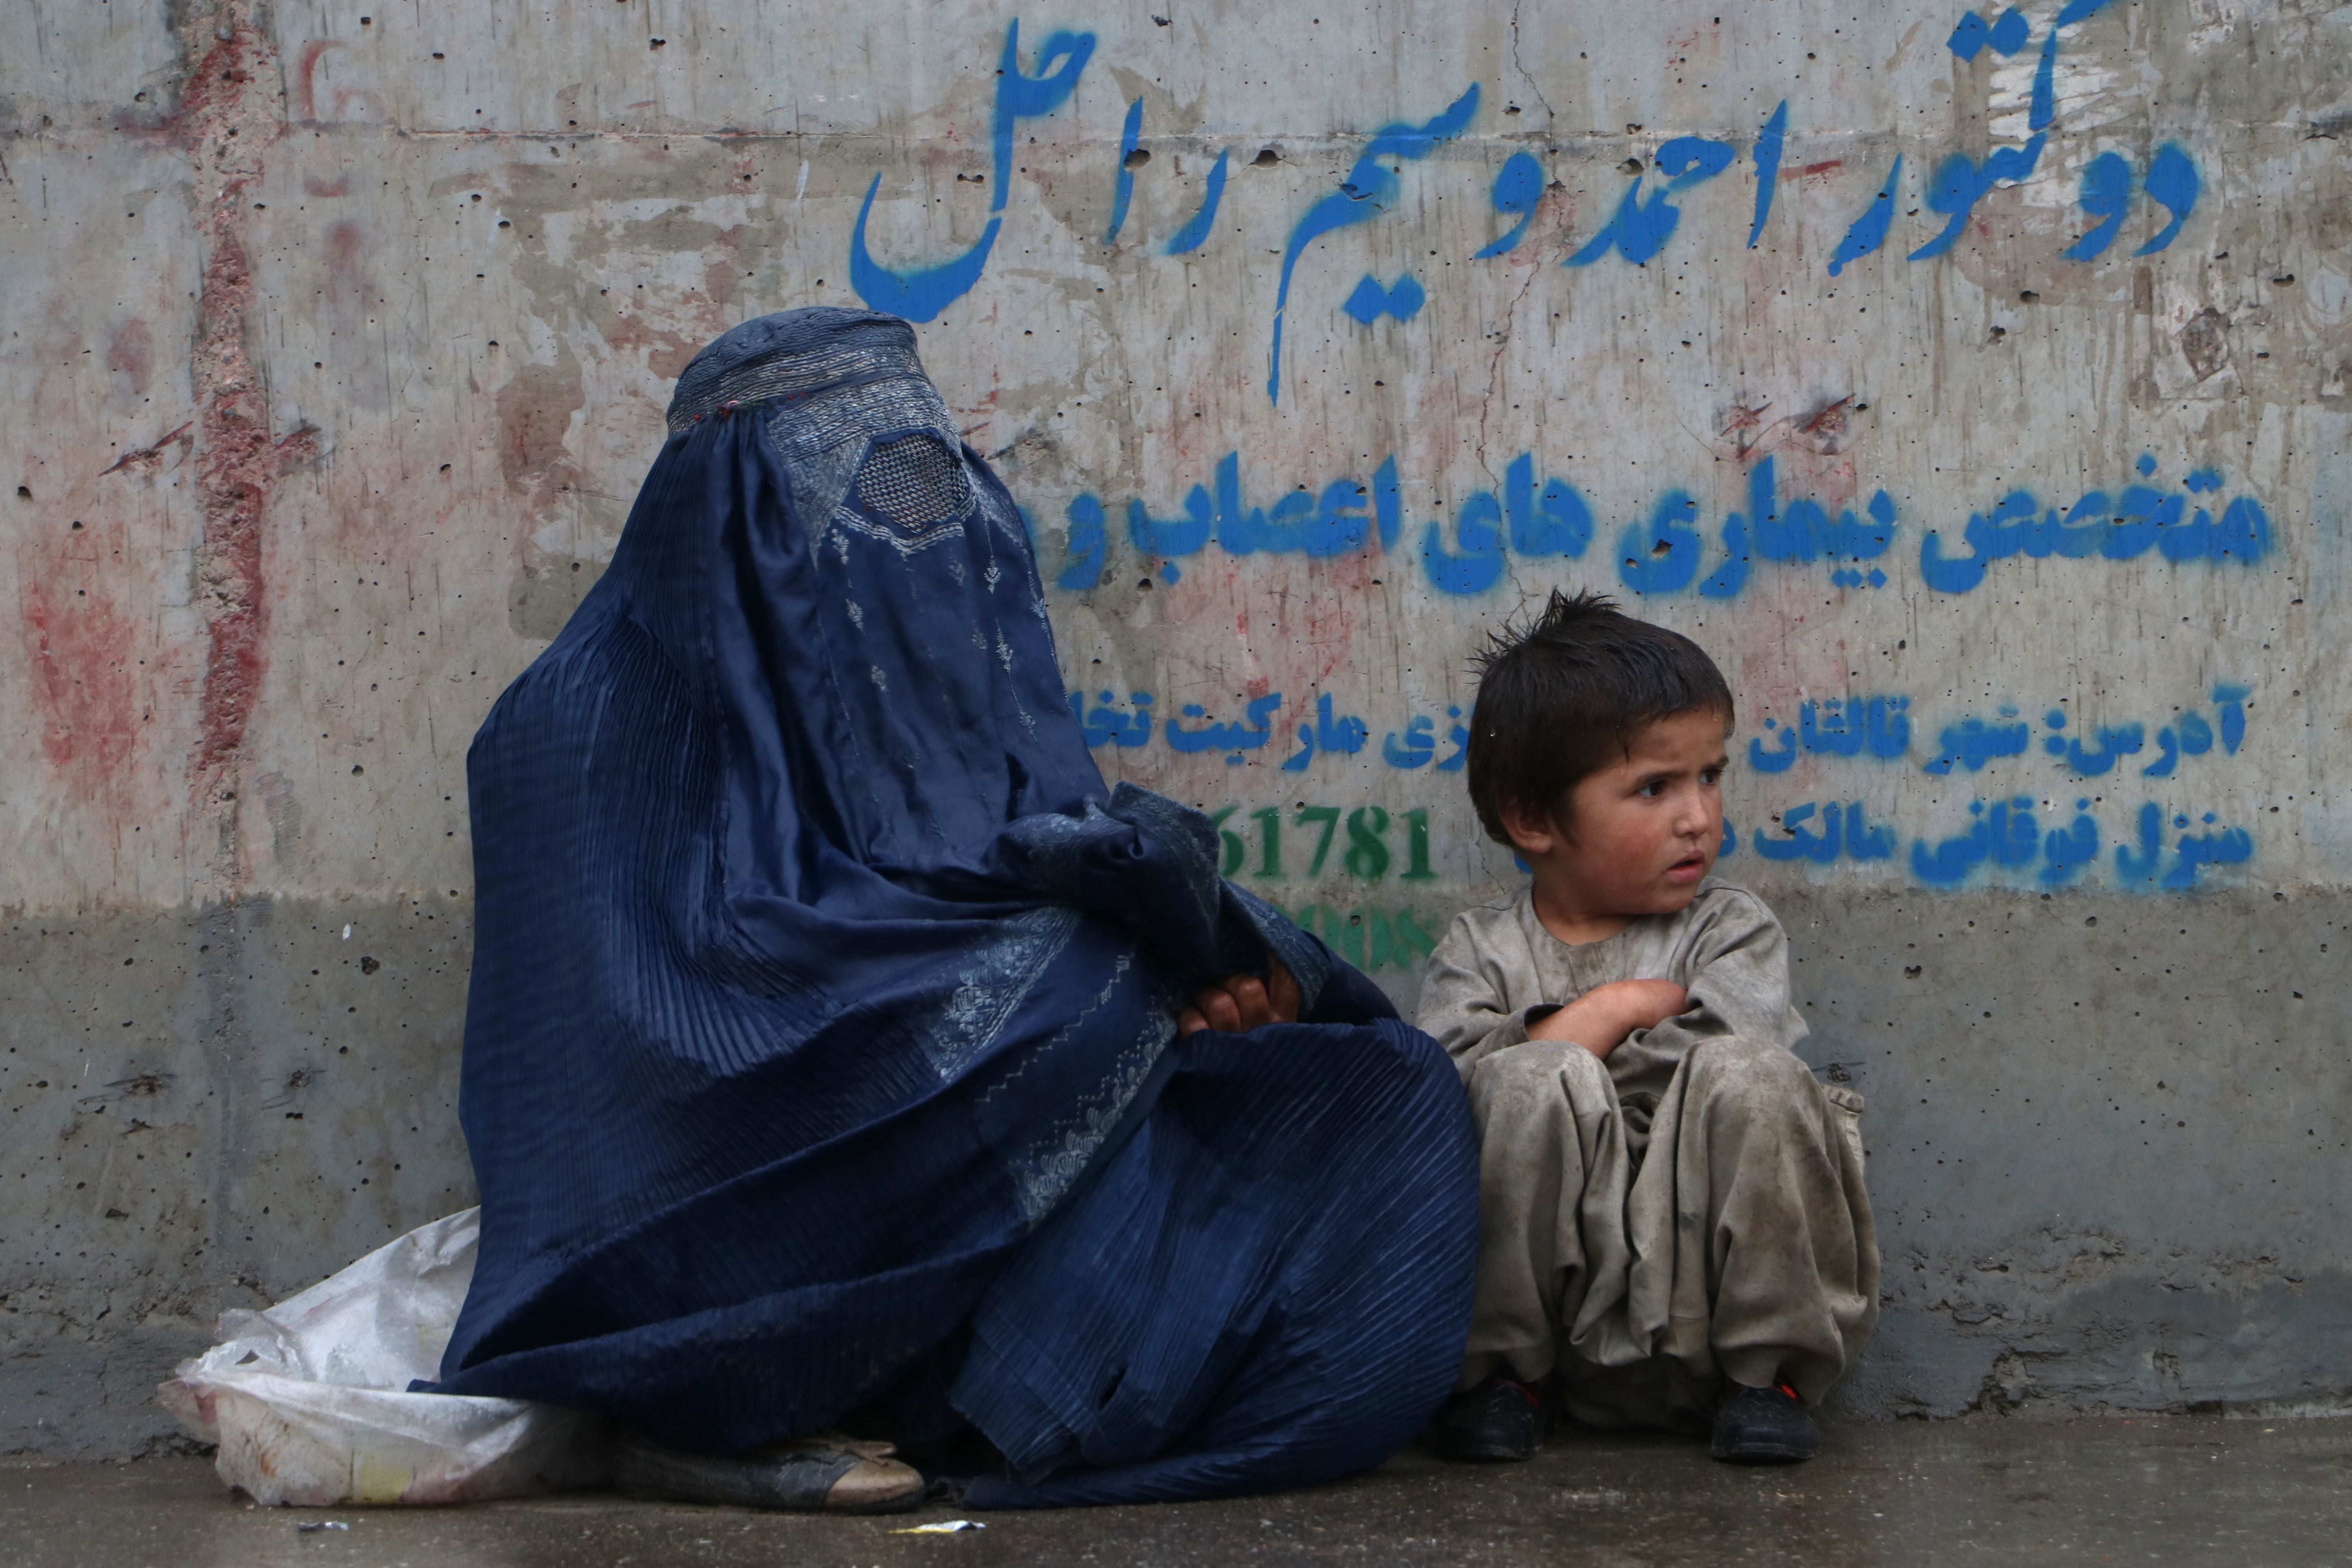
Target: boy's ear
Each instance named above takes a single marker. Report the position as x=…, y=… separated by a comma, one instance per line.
x=1532, y=829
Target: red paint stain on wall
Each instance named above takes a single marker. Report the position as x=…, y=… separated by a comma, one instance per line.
x=349, y=290
x=226, y=119
x=535, y=412
x=719, y=280
x=131, y=353
x=344, y=242
x=343, y=102
x=305, y=84
x=235, y=466
x=667, y=349
x=150, y=457
x=81, y=652
x=210, y=102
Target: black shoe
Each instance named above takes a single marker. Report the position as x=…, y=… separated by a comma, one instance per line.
x=1500, y=1420
x=1765, y=1427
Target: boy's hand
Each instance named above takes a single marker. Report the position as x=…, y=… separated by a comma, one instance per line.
x=1600, y=1018
x=1241, y=1002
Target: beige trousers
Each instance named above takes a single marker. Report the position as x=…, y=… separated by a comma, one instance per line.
x=1643, y=1258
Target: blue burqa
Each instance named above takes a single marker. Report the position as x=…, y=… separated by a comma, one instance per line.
x=820, y=1055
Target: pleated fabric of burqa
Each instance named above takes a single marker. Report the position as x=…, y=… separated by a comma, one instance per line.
x=820, y=1055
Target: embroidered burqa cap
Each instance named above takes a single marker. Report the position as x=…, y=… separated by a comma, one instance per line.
x=819, y=1057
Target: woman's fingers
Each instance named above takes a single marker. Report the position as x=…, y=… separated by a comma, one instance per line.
x=1249, y=998
x=1218, y=1005
x=1241, y=1002
x=1282, y=992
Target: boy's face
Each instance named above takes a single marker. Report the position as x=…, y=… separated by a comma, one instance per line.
x=1641, y=833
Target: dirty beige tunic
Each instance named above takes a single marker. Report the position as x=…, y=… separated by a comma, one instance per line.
x=1690, y=1210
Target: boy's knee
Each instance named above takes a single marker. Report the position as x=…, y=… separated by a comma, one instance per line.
x=1757, y=1076
x=1534, y=1071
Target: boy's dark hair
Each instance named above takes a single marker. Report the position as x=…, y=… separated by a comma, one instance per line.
x=1562, y=697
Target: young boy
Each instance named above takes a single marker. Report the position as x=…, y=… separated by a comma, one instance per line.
x=1672, y=1215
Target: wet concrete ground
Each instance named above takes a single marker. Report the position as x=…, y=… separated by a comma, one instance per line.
x=2184, y=1490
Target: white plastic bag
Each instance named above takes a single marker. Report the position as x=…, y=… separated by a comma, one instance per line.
x=308, y=1403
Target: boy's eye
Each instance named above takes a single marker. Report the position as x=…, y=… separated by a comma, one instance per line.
x=1712, y=776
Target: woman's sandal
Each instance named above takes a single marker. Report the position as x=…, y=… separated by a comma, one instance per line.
x=829, y=1473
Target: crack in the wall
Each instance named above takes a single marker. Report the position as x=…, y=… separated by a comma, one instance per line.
x=1519, y=65
x=1502, y=340
x=229, y=115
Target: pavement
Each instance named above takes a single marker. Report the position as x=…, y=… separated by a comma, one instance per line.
x=2170, y=1489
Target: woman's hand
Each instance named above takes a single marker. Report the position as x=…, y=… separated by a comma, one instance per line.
x=1241, y=1002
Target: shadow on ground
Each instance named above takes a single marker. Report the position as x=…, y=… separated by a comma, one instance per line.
x=2189, y=1490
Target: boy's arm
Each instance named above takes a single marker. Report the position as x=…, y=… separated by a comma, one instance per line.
x=1739, y=986
x=1464, y=1001
x=1600, y=1018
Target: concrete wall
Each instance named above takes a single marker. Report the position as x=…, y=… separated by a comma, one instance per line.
x=337, y=336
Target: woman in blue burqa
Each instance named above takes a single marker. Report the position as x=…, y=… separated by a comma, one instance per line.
x=824, y=1070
